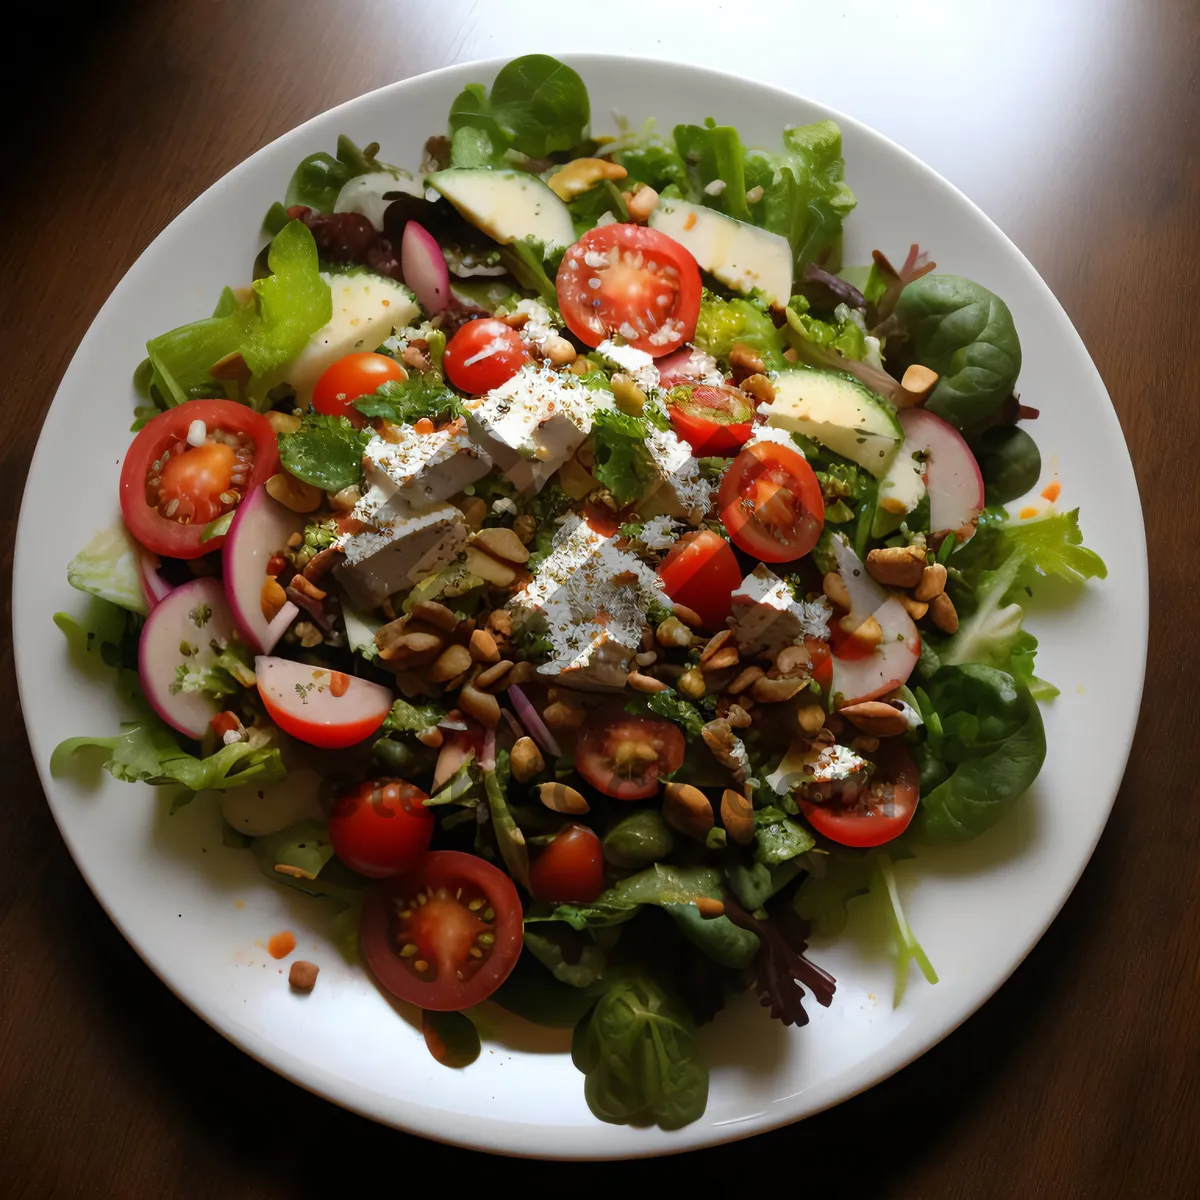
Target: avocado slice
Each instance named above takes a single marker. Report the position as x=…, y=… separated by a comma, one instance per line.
x=509, y=206
x=839, y=412
x=740, y=255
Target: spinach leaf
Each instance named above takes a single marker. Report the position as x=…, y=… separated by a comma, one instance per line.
x=1009, y=462
x=638, y=1052
x=525, y=261
x=778, y=837
x=718, y=937
x=754, y=885
x=319, y=178
x=537, y=106
x=966, y=334
x=638, y=840
x=533, y=993
x=451, y=1038
x=406, y=401
x=571, y=957
x=325, y=451
x=673, y=707
x=992, y=733
x=649, y=158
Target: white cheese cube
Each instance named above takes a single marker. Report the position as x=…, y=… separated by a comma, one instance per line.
x=767, y=616
x=421, y=469
x=399, y=549
x=534, y=422
x=679, y=490
x=591, y=600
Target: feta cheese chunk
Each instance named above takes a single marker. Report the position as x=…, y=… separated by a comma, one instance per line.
x=767, y=616
x=590, y=598
x=805, y=764
x=534, y=422
x=399, y=549
x=541, y=324
x=637, y=364
x=659, y=533
x=680, y=489
x=770, y=433
x=421, y=469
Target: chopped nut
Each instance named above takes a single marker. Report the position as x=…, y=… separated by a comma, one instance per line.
x=452, y=661
x=559, y=798
x=745, y=361
x=273, y=598
x=581, y=175
x=483, y=647
x=714, y=644
x=526, y=759
x=759, y=388
x=897, y=566
x=744, y=680
x=646, y=684
x=688, y=616
x=346, y=499
x=502, y=543
x=521, y=673
x=412, y=649
x=737, y=815
x=915, y=608
x=917, y=383
x=673, y=633
x=943, y=613
x=646, y=658
x=810, y=717
x=835, y=589
x=642, y=203
x=308, y=634
x=869, y=632
x=738, y=717
x=932, y=582
x=281, y=422
x=416, y=355
x=294, y=493
x=558, y=351
x=483, y=707
x=719, y=737
x=691, y=683
x=494, y=674
x=864, y=744
x=322, y=563
x=724, y=658
x=687, y=809
x=794, y=661
x=560, y=716
x=709, y=908
x=774, y=691
x=488, y=568
x=875, y=717
x=525, y=526
x=302, y=976
x=435, y=614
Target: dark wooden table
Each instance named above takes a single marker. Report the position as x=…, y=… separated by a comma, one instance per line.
x=1078, y=130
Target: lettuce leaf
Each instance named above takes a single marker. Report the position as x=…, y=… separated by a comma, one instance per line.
x=109, y=567
x=722, y=323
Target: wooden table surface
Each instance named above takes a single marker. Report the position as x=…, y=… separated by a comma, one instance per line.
x=1078, y=130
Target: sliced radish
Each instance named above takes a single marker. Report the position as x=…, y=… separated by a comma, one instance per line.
x=186, y=629
x=154, y=587
x=952, y=476
x=258, y=811
x=455, y=751
x=859, y=676
x=424, y=268
x=688, y=365
x=261, y=528
x=321, y=707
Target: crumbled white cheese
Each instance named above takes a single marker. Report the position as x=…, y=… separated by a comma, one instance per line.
x=419, y=469
x=658, y=533
x=767, y=615
x=770, y=433
x=637, y=364
x=591, y=598
x=804, y=764
x=541, y=324
x=504, y=506
x=680, y=489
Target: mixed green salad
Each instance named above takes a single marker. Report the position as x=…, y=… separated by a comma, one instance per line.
x=560, y=560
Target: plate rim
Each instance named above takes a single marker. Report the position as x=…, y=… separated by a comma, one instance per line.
x=600, y=1141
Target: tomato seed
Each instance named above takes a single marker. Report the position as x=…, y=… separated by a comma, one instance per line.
x=489, y=915
x=486, y=939
x=420, y=965
x=476, y=952
x=408, y=950
x=475, y=905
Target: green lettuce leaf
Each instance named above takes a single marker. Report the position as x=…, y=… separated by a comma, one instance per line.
x=406, y=401
x=407, y=717
x=325, y=451
x=722, y=323
x=623, y=464
x=109, y=567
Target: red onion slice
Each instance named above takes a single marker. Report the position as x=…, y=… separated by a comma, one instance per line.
x=533, y=722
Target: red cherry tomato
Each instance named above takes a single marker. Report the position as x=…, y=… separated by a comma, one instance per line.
x=873, y=812
x=702, y=572
x=170, y=489
x=631, y=281
x=350, y=378
x=822, y=661
x=713, y=420
x=623, y=756
x=468, y=905
x=483, y=354
x=380, y=827
x=571, y=869
x=770, y=502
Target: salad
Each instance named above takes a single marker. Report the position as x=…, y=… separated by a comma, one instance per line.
x=562, y=562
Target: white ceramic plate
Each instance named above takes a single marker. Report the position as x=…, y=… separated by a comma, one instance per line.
x=200, y=914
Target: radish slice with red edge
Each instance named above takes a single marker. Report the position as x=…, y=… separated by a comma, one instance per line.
x=424, y=268
x=952, y=476
x=260, y=529
x=318, y=706
x=188, y=628
x=154, y=587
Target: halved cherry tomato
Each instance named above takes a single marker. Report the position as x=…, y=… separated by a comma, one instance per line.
x=873, y=812
x=631, y=281
x=822, y=661
x=623, y=756
x=351, y=378
x=381, y=827
x=713, y=420
x=170, y=489
x=771, y=503
x=570, y=870
x=483, y=354
x=702, y=572
x=444, y=935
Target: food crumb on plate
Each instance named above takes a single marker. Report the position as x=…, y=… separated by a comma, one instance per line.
x=303, y=975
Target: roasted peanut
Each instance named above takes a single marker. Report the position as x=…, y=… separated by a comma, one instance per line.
x=743, y=361
x=282, y=422
x=745, y=679
x=581, y=175
x=738, y=717
x=688, y=616
x=673, y=633
x=943, y=613
x=559, y=716
x=306, y=587
x=897, y=566
x=835, y=589
x=773, y=691
x=737, y=815
x=435, y=614
x=558, y=351
x=794, y=661
x=864, y=744
x=875, y=717
x=474, y=511
x=691, y=683
x=646, y=684
x=868, y=631
x=758, y=388
x=714, y=644
x=452, y=661
x=810, y=717
x=483, y=707
x=294, y=493
x=641, y=204
x=559, y=798
x=525, y=526
x=526, y=759
x=412, y=649
x=915, y=608
x=483, y=647
x=273, y=598
x=521, y=673
x=687, y=809
x=494, y=674
x=345, y=499
x=932, y=582
x=488, y=568
x=502, y=543
x=724, y=658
